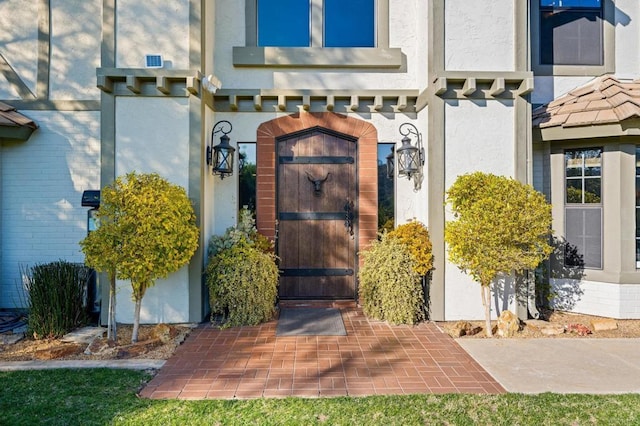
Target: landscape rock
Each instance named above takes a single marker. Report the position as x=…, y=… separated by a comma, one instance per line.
x=508, y=324
x=464, y=328
x=163, y=332
x=60, y=351
x=603, y=324
x=545, y=327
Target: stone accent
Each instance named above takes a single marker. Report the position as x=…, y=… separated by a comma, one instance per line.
x=508, y=324
x=464, y=328
x=545, y=327
x=603, y=324
x=60, y=351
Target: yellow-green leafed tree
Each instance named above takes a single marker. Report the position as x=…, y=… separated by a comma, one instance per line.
x=147, y=231
x=501, y=226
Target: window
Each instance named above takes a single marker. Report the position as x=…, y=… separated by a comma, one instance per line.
x=583, y=208
x=638, y=207
x=294, y=23
x=284, y=23
x=318, y=34
x=386, y=198
x=571, y=32
x=247, y=176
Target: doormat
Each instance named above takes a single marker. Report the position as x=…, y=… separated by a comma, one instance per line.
x=310, y=322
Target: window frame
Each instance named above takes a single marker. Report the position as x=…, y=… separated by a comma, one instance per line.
x=608, y=45
x=567, y=206
x=316, y=56
x=637, y=204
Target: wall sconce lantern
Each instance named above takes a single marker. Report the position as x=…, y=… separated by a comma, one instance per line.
x=410, y=157
x=391, y=163
x=221, y=156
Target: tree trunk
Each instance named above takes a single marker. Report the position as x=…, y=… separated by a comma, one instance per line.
x=112, y=331
x=486, y=302
x=136, y=321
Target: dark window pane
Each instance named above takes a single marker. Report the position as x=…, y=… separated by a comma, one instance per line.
x=570, y=37
x=638, y=161
x=349, y=23
x=570, y=3
x=284, y=23
x=637, y=190
x=574, y=191
x=592, y=190
x=386, y=199
x=247, y=176
x=637, y=223
x=637, y=252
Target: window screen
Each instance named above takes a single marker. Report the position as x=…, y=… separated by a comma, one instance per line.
x=584, y=237
x=571, y=32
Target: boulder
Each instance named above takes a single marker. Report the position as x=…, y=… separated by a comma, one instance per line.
x=163, y=332
x=603, y=324
x=464, y=328
x=508, y=324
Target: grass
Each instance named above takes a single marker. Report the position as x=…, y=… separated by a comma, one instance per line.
x=102, y=396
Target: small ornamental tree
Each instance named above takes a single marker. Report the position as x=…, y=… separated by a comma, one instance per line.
x=501, y=226
x=147, y=228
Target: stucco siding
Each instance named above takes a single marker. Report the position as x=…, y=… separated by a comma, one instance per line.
x=479, y=35
x=152, y=136
x=153, y=28
x=75, y=49
x=42, y=184
x=479, y=136
x=19, y=43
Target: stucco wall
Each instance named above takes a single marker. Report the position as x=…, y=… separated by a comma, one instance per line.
x=42, y=184
x=160, y=28
x=19, y=43
x=407, y=30
x=152, y=136
x=75, y=48
x=479, y=136
x=479, y=35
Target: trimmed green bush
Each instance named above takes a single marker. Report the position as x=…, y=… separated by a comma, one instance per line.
x=415, y=236
x=56, y=298
x=390, y=287
x=243, y=283
x=246, y=230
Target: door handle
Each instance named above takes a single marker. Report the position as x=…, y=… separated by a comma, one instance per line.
x=349, y=215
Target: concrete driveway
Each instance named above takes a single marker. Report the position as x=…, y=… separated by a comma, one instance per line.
x=590, y=365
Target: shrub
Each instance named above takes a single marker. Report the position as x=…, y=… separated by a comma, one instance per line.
x=390, y=287
x=246, y=230
x=415, y=236
x=56, y=298
x=243, y=283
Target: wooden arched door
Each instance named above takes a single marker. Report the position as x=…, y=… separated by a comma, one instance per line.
x=317, y=215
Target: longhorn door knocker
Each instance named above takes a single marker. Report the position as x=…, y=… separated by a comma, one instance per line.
x=317, y=183
x=348, y=223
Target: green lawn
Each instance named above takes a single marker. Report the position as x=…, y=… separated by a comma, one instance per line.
x=101, y=396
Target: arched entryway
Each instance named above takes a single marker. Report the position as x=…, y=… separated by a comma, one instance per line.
x=317, y=198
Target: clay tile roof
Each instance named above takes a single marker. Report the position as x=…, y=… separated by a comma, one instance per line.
x=9, y=116
x=604, y=100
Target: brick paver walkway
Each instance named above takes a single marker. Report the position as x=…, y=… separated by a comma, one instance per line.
x=373, y=359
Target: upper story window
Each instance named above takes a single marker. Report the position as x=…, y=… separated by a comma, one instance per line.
x=571, y=32
x=316, y=23
x=318, y=34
